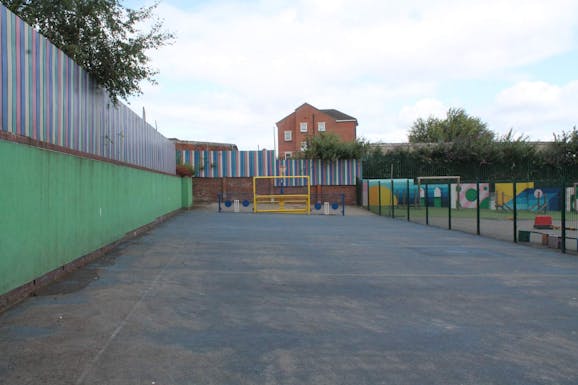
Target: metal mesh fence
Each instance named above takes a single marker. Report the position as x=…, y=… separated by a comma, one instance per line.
x=539, y=212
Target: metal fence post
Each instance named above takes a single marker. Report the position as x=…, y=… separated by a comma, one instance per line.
x=392, y=200
x=368, y=197
x=379, y=197
x=407, y=200
x=426, y=205
x=563, y=216
x=449, y=206
x=359, y=192
x=343, y=205
x=514, y=189
x=478, y=207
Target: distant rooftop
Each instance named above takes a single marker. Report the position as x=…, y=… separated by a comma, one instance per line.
x=201, y=144
x=338, y=115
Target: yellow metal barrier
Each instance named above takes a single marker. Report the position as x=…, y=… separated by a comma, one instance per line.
x=293, y=203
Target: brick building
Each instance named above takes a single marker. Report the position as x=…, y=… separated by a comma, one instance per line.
x=306, y=121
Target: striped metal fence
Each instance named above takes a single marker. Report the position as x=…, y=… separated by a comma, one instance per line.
x=47, y=97
x=232, y=164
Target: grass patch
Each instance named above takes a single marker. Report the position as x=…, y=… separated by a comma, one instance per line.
x=437, y=212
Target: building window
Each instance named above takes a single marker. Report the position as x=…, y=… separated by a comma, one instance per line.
x=288, y=136
x=320, y=126
x=288, y=154
x=303, y=126
x=303, y=146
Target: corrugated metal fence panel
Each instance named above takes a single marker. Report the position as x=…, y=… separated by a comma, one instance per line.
x=231, y=164
x=323, y=172
x=47, y=97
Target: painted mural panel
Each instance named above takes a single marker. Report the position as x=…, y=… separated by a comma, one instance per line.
x=438, y=194
x=505, y=192
x=47, y=97
x=498, y=196
x=467, y=195
x=538, y=199
x=400, y=188
x=382, y=195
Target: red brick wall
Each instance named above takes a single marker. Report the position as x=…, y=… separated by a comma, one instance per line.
x=206, y=190
x=345, y=130
x=287, y=124
x=334, y=192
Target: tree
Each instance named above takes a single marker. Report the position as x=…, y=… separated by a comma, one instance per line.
x=562, y=153
x=101, y=36
x=505, y=157
x=328, y=146
x=456, y=127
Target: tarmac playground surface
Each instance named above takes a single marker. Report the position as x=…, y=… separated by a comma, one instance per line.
x=210, y=298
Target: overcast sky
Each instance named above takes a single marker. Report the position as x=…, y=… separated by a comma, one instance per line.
x=238, y=67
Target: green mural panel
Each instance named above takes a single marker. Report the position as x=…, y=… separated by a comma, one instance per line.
x=55, y=208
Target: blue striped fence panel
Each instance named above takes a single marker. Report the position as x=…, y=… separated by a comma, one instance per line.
x=47, y=97
x=231, y=164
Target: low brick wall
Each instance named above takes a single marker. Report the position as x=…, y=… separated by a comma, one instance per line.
x=331, y=191
x=206, y=190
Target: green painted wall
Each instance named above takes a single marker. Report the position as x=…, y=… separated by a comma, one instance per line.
x=55, y=208
x=187, y=192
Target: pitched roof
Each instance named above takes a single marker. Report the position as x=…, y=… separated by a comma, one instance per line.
x=338, y=115
x=335, y=114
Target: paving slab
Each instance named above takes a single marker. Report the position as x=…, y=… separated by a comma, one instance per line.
x=210, y=298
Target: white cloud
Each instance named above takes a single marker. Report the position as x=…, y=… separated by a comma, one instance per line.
x=527, y=94
x=422, y=109
x=244, y=65
x=536, y=109
x=297, y=42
